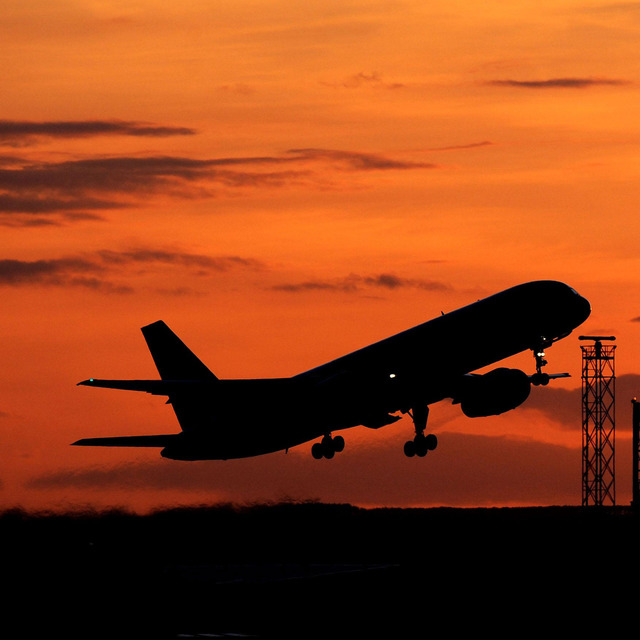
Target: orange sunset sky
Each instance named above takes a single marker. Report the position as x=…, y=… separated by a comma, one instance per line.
x=284, y=182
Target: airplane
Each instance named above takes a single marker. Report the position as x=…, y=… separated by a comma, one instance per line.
x=373, y=386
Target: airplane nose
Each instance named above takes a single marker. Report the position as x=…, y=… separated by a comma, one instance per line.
x=583, y=309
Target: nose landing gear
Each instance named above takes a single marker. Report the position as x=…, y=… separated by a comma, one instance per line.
x=540, y=378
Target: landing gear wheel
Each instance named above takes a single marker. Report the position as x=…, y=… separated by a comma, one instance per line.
x=327, y=447
x=431, y=441
x=338, y=444
x=409, y=448
x=420, y=445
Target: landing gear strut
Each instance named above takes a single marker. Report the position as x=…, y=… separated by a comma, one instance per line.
x=421, y=444
x=327, y=447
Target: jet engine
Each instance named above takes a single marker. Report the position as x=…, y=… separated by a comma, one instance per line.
x=493, y=393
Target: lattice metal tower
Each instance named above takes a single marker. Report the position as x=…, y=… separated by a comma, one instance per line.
x=635, y=433
x=598, y=422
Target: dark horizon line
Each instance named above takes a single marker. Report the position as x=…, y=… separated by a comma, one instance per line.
x=25, y=513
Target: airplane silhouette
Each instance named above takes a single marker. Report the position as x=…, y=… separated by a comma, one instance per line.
x=403, y=374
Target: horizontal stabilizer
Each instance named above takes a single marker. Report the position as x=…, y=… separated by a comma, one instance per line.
x=129, y=441
x=130, y=385
x=156, y=387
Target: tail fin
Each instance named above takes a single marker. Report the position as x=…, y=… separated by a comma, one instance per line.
x=173, y=359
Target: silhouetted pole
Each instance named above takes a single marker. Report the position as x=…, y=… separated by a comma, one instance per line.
x=598, y=422
x=635, y=499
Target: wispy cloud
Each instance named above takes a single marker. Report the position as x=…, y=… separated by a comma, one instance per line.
x=358, y=161
x=53, y=192
x=33, y=192
x=75, y=272
x=363, y=79
x=616, y=7
x=22, y=132
x=237, y=88
x=24, y=204
x=143, y=255
x=98, y=270
x=558, y=83
x=457, y=147
x=355, y=283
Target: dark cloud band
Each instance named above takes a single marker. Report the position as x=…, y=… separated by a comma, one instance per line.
x=354, y=283
x=97, y=270
x=62, y=190
x=22, y=131
x=558, y=83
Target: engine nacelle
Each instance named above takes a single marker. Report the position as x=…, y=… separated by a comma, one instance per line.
x=493, y=393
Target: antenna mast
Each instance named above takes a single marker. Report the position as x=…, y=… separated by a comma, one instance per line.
x=598, y=422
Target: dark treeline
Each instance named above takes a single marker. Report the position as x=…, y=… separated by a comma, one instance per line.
x=314, y=570
x=307, y=530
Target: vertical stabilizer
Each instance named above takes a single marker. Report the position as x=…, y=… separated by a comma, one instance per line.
x=173, y=359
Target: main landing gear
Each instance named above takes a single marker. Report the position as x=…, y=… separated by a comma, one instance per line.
x=327, y=447
x=421, y=444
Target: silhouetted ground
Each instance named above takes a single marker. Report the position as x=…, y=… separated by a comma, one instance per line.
x=322, y=571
